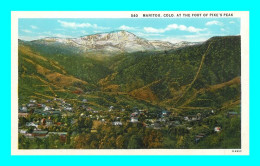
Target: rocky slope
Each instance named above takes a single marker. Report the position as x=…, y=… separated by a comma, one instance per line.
x=111, y=43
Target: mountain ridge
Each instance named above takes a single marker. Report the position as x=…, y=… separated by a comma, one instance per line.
x=114, y=42
x=161, y=78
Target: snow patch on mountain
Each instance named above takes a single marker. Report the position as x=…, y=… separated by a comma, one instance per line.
x=114, y=42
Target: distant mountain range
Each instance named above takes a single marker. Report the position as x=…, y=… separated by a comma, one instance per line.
x=112, y=43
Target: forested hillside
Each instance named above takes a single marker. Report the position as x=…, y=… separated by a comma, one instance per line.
x=195, y=86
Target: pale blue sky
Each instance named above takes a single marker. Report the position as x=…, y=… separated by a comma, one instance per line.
x=173, y=30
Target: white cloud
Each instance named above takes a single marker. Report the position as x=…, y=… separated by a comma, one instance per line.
x=214, y=23
x=73, y=24
x=97, y=31
x=60, y=35
x=232, y=22
x=50, y=34
x=173, y=27
x=84, y=32
x=222, y=29
x=26, y=31
x=34, y=27
x=80, y=25
x=43, y=35
x=153, y=30
x=124, y=27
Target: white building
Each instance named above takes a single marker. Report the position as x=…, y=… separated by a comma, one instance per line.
x=217, y=129
x=47, y=108
x=134, y=119
x=117, y=123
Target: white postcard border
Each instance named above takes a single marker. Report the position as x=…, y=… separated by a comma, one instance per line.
x=15, y=15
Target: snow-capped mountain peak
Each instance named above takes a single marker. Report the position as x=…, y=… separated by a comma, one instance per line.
x=113, y=42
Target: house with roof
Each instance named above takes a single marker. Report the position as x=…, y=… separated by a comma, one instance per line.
x=32, y=124
x=43, y=121
x=156, y=126
x=83, y=114
x=111, y=108
x=48, y=101
x=193, y=117
x=30, y=105
x=134, y=114
x=67, y=114
x=134, y=119
x=39, y=133
x=186, y=118
x=23, y=131
x=32, y=101
x=199, y=136
x=23, y=114
x=150, y=120
x=67, y=108
x=165, y=113
x=117, y=123
x=58, y=133
x=62, y=135
x=217, y=129
x=44, y=113
x=89, y=109
x=49, y=122
x=95, y=111
x=23, y=109
x=198, y=116
x=47, y=108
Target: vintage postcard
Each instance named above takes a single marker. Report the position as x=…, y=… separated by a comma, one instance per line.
x=130, y=83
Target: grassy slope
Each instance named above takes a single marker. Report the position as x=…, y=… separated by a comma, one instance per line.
x=42, y=77
x=174, y=79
